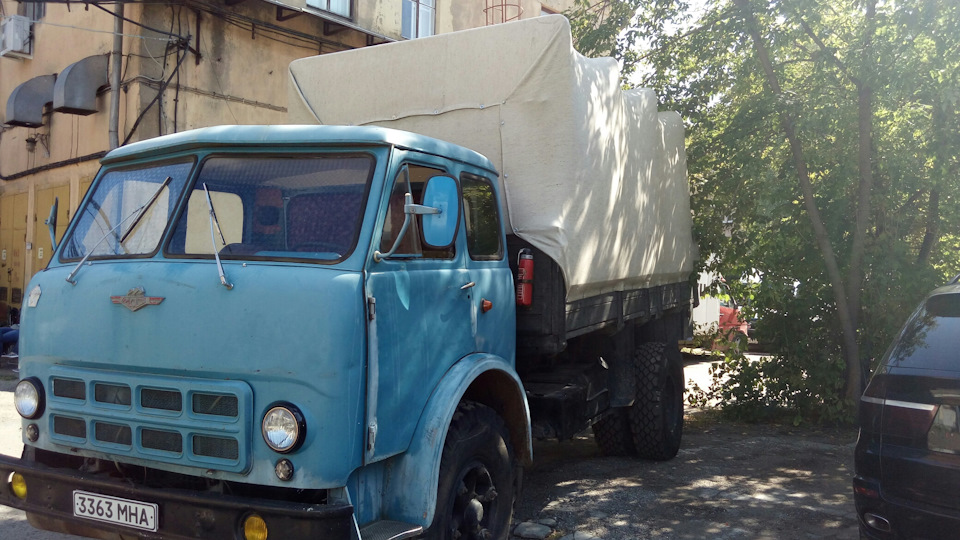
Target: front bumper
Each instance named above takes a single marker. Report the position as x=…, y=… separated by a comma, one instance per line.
x=180, y=513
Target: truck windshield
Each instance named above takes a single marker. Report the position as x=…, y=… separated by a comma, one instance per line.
x=276, y=207
x=108, y=227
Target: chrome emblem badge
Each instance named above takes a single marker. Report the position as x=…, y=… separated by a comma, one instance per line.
x=136, y=298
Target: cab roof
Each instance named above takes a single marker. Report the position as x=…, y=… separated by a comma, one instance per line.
x=295, y=136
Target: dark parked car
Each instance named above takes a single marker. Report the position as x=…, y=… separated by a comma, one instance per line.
x=907, y=482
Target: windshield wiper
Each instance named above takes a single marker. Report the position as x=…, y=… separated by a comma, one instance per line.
x=141, y=210
x=213, y=239
x=136, y=222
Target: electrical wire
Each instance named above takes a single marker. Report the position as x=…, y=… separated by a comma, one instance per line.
x=138, y=36
x=176, y=95
x=135, y=23
x=160, y=92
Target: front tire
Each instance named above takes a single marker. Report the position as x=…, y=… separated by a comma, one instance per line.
x=478, y=478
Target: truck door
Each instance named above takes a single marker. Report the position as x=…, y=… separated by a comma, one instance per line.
x=493, y=299
x=421, y=322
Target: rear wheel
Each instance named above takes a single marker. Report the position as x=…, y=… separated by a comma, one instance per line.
x=656, y=417
x=478, y=478
x=612, y=434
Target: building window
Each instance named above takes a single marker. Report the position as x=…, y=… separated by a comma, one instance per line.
x=337, y=7
x=418, y=18
x=32, y=10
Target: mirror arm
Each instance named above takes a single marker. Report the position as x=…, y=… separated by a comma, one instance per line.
x=409, y=210
x=419, y=209
x=377, y=256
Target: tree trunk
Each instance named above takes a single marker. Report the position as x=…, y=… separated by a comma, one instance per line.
x=854, y=379
x=943, y=148
x=932, y=233
x=851, y=351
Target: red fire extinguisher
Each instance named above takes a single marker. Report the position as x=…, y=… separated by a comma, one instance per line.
x=525, y=277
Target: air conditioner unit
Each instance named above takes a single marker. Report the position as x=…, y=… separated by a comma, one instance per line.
x=15, y=37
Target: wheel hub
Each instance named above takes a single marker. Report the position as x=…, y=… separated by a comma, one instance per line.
x=473, y=503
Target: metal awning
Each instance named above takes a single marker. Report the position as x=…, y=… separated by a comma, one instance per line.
x=75, y=91
x=25, y=104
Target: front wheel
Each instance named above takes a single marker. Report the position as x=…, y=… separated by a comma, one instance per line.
x=478, y=478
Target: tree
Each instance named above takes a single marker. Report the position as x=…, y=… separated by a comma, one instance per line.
x=825, y=135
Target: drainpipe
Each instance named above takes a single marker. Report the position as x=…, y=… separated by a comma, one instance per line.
x=116, y=58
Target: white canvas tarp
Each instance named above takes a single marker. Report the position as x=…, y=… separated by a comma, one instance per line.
x=593, y=176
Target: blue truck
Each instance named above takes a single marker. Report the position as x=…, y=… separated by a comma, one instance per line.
x=331, y=331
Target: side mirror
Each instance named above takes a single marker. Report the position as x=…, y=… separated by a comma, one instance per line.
x=440, y=229
x=52, y=223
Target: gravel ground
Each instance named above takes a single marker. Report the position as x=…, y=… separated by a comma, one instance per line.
x=729, y=481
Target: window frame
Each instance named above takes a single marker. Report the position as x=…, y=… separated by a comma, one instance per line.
x=324, y=5
x=465, y=177
x=417, y=224
x=419, y=6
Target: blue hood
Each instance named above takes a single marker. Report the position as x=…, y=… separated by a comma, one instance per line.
x=201, y=335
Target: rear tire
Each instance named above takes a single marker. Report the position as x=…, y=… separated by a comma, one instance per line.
x=613, y=435
x=656, y=417
x=478, y=478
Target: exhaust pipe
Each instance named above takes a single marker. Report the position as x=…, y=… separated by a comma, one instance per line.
x=877, y=522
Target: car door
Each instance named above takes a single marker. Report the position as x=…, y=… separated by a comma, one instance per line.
x=492, y=298
x=419, y=303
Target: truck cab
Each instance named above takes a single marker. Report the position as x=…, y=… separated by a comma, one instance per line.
x=271, y=328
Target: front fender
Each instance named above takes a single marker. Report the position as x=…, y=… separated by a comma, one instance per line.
x=411, y=479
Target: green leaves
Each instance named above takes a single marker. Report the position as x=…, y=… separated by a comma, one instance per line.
x=748, y=207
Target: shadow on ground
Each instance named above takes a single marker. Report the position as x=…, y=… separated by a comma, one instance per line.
x=728, y=481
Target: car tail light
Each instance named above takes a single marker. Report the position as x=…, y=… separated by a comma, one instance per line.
x=907, y=419
x=944, y=435
x=895, y=418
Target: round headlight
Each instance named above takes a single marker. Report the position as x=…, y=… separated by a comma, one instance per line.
x=28, y=398
x=283, y=428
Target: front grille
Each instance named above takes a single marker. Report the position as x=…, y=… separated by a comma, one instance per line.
x=69, y=388
x=216, y=447
x=165, y=441
x=182, y=421
x=113, y=394
x=167, y=400
x=112, y=433
x=71, y=427
x=216, y=404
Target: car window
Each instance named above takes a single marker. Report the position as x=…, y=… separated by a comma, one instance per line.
x=128, y=211
x=931, y=337
x=275, y=207
x=482, y=218
x=411, y=179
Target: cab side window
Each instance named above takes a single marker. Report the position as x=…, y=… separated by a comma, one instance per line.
x=482, y=218
x=411, y=179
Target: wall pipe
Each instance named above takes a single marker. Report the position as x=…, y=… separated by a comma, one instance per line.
x=116, y=59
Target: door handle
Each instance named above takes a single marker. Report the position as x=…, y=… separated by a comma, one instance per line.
x=470, y=285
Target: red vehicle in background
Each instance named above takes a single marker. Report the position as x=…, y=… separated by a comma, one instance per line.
x=731, y=320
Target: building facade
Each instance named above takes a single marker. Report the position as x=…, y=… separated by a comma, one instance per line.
x=79, y=78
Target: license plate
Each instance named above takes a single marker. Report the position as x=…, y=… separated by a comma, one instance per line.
x=126, y=512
